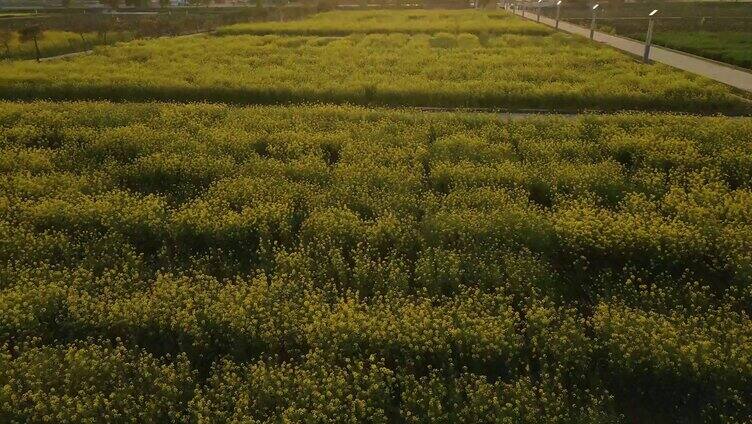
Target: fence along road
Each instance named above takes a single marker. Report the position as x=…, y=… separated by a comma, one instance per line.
x=710, y=69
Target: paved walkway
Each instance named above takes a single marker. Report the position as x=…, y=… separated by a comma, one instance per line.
x=707, y=68
x=63, y=56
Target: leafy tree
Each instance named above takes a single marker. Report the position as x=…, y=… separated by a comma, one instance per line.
x=150, y=27
x=326, y=5
x=164, y=3
x=113, y=4
x=103, y=27
x=81, y=25
x=137, y=3
x=5, y=38
x=32, y=33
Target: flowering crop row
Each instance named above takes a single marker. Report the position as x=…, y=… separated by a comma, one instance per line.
x=555, y=72
x=210, y=263
x=388, y=21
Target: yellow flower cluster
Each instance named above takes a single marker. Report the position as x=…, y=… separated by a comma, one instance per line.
x=208, y=263
x=391, y=21
x=553, y=72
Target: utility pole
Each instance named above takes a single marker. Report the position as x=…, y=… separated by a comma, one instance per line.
x=592, y=21
x=558, y=13
x=649, y=36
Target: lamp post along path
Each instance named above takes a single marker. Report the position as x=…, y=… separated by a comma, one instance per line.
x=558, y=13
x=539, y=10
x=649, y=37
x=592, y=21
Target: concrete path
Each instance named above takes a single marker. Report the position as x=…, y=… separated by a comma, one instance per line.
x=707, y=68
x=63, y=56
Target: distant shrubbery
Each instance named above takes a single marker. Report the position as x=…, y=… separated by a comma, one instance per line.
x=63, y=33
x=54, y=43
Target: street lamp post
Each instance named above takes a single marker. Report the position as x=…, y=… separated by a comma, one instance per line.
x=592, y=21
x=558, y=13
x=539, y=11
x=649, y=37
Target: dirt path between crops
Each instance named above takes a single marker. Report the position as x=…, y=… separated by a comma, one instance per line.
x=526, y=114
x=696, y=65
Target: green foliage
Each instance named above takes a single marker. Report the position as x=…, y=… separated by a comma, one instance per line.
x=730, y=47
x=56, y=43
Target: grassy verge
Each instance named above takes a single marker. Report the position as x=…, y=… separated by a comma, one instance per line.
x=730, y=47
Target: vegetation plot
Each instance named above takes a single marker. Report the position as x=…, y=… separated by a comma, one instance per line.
x=389, y=21
x=206, y=263
x=729, y=47
x=214, y=264
x=556, y=72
